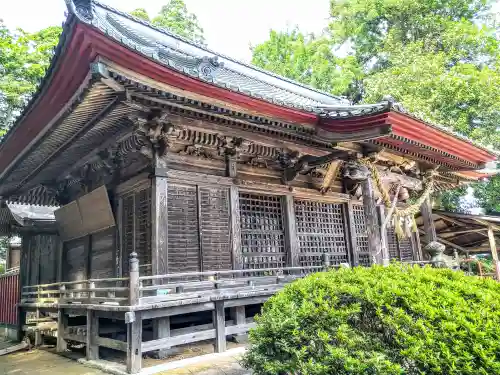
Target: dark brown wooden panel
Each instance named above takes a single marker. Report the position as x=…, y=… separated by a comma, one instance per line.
x=320, y=230
x=76, y=260
x=127, y=230
x=183, y=236
x=102, y=254
x=215, y=228
x=48, y=247
x=262, y=231
x=361, y=236
x=34, y=260
x=143, y=230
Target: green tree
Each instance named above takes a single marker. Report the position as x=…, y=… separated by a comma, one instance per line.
x=487, y=194
x=24, y=58
x=175, y=17
x=310, y=60
x=440, y=59
x=141, y=13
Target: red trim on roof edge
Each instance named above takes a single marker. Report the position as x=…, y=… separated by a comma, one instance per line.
x=72, y=70
x=86, y=43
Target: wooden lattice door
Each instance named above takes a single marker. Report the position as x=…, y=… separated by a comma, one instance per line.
x=262, y=231
x=215, y=233
x=402, y=249
x=320, y=230
x=136, y=229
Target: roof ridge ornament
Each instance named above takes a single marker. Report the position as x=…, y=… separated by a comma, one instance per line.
x=209, y=67
x=393, y=104
x=82, y=9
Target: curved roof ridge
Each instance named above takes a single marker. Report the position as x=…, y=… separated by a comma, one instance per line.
x=204, y=48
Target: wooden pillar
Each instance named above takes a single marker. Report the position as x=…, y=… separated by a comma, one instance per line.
x=92, y=335
x=60, y=261
x=62, y=323
x=234, y=199
x=350, y=232
x=494, y=253
x=386, y=258
x=291, y=238
x=429, y=228
x=159, y=240
x=239, y=318
x=220, y=327
x=371, y=220
x=159, y=213
x=134, y=343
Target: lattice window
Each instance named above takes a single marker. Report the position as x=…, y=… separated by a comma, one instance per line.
x=127, y=234
x=406, y=249
x=183, y=235
x=320, y=229
x=214, y=225
x=361, y=235
x=399, y=248
x=262, y=231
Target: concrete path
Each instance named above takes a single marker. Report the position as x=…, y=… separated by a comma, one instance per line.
x=42, y=362
x=46, y=362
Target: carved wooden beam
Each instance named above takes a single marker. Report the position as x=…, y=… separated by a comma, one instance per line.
x=331, y=174
x=302, y=164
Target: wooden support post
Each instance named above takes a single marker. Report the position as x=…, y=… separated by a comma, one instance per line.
x=161, y=330
x=429, y=228
x=234, y=198
x=159, y=240
x=133, y=280
x=134, y=343
x=159, y=212
x=291, y=238
x=220, y=327
x=386, y=258
x=371, y=219
x=92, y=335
x=38, y=334
x=239, y=317
x=350, y=234
x=494, y=253
x=60, y=261
x=62, y=323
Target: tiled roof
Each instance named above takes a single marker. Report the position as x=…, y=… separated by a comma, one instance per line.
x=198, y=61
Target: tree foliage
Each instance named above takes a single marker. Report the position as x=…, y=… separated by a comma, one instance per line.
x=488, y=195
x=175, y=17
x=308, y=59
x=440, y=59
x=24, y=57
x=398, y=320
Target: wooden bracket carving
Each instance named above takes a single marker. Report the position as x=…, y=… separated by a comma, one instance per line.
x=157, y=133
x=294, y=166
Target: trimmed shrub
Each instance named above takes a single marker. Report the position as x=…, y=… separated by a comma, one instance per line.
x=380, y=320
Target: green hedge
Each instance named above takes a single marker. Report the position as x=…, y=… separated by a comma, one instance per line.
x=380, y=320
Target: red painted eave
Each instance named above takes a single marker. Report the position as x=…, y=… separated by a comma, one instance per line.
x=421, y=132
x=414, y=130
x=86, y=43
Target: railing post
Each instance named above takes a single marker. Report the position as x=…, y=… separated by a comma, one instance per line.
x=91, y=293
x=133, y=297
x=326, y=261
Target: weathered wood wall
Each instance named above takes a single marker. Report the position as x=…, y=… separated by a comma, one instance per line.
x=39, y=258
